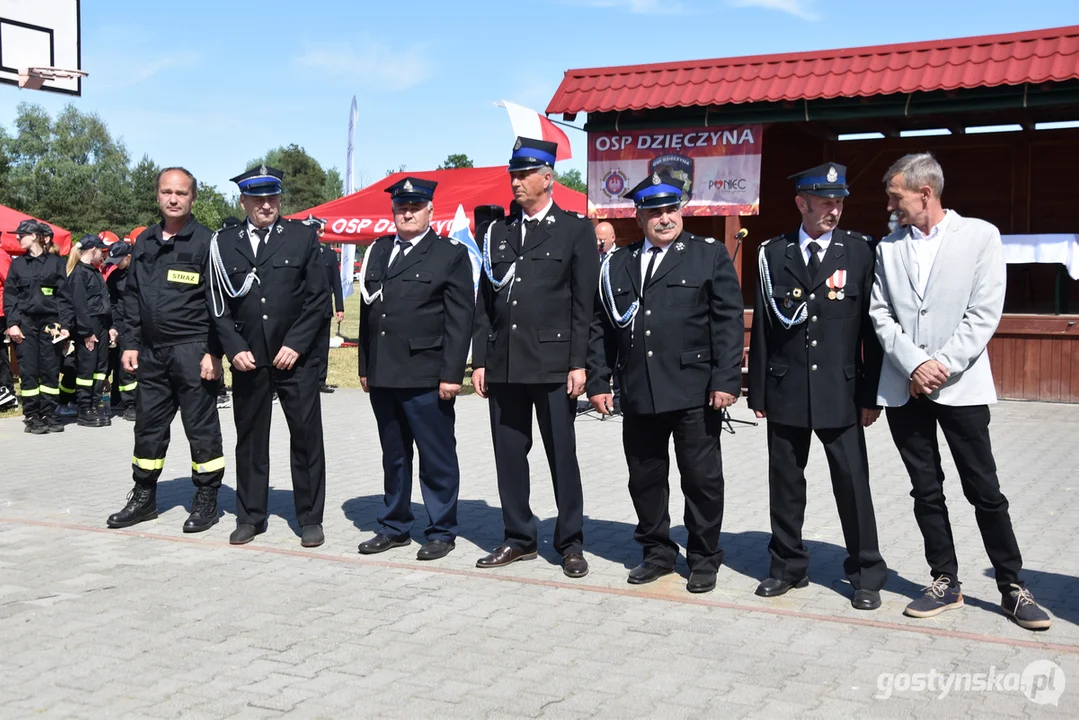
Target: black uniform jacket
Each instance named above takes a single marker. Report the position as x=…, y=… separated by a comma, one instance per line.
x=117, y=285
x=286, y=306
x=93, y=311
x=165, y=295
x=537, y=331
x=37, y=289
x=333, y=278
x=417, y=333
x=818, y=373
x=687, y=338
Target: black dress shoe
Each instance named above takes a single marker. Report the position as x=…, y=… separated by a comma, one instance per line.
x=141, y=506
x=865, y=600
x=647, y=572
x=574, y=565
x=504, y=555
x=312, y=535
x=381, y=543
x=701, y=581
x=245, y=533
x=773, y=587
x=203, y=511
x=435, y=549
x=325, y=389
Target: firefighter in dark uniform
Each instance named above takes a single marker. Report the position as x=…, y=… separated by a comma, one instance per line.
x=668, y=322
x=270, y=295
x=335, y=309
x=814, y=365
x=122, y=384
x=529, y=350
x=168, y=346
x=38, y=309
x=93, y=320
x=415, y=329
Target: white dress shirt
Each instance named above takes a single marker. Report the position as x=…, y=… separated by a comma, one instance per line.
x=924, y=251
x=538, y=216
x=803, y=241
x=398, y=244
x=646, y=255
x=255, y=242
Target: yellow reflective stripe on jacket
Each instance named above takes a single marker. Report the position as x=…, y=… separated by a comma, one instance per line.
x=209, y=466
x=66, y=389
x=49, y=390
x=30, y=393
x=84, y=382
x=148, y=463
x=128, y=388
x=99, y=376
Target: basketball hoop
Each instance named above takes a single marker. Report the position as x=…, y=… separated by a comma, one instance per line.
x=33, y=78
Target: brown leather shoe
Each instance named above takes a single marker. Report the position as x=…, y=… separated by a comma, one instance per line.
x=574, y=565
x=504, y=555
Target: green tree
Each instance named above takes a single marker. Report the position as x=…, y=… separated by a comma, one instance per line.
x=457, y=160
x=306, y=183
x=212, y=207
x=144, y=192
x=69, y=171
x=391, y=171
x=573, y=180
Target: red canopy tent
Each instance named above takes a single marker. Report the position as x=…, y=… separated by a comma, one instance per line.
x=365, y=215
x=10, y=219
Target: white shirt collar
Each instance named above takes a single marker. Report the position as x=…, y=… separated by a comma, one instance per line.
x=936, y=232
x=542, y=213
x=648, y=247
x=803, y=239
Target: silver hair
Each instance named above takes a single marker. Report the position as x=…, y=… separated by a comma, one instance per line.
x=918, y=169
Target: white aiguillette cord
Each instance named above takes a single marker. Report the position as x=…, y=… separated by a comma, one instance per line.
x=800, y=314
x=489, y=271
x=368, y=297
x=220, y=285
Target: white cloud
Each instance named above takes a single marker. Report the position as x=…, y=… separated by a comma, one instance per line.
x=370, y=63
x=120, y=72
x=637, y=7
x=799, y=8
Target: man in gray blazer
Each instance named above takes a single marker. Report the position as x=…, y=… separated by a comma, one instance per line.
x=937, y=299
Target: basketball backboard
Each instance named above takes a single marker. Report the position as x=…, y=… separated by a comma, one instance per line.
x=40, y=41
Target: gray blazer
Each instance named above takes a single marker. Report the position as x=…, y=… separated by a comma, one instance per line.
x=952, y=324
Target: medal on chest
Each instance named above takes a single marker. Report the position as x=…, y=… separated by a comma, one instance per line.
x=836, y=284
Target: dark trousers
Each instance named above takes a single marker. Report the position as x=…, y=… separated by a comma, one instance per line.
x=90, y=369
x=39, y=368
x=788, y=454
x=170, y=379
x=511, y=407
x=966, y=430
x=68, y=371
x=6, y=379
x=122, y=384
x=252, y=394
x=321, y=352
x=646, y=439
x=412, y=415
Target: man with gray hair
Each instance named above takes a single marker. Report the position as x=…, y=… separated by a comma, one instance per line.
x=937, y=300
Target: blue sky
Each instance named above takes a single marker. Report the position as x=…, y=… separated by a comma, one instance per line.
x=211, y=85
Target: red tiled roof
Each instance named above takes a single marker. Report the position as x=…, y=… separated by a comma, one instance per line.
x=1027, y=57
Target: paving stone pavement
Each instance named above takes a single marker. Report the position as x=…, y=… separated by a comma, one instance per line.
x=152, y=623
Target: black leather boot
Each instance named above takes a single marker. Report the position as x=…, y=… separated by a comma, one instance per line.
x=141, y=506
x=203, y=511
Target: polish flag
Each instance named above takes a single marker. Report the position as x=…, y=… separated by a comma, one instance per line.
x=529, y=123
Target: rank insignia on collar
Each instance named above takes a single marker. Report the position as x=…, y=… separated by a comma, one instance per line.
x=240, y=234
x=636, y=253
x=455, y=241
x=280, y=229
x=709, y=240
x=680, y=246
x=550, y=219
x=832, y=175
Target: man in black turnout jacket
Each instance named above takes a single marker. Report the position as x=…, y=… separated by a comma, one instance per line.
x=167, y=346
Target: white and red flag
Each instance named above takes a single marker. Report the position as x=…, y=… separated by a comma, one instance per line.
x=531, y=124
